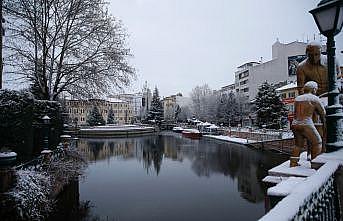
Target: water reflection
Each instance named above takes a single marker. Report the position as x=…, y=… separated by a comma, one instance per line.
x=159, y=156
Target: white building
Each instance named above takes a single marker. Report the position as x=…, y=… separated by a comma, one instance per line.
x=243, y=77
x=134, y=100
x=282, y=67
x=227, y=89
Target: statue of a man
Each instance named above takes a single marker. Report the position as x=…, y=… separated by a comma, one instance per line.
x=303, y=127
x=314, y=68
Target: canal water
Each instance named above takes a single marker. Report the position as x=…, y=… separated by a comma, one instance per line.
x=168, y=178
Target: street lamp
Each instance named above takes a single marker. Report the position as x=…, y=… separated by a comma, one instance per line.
x=46, y=122
x=329, y=18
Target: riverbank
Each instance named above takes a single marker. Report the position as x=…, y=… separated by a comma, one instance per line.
x=109, y=131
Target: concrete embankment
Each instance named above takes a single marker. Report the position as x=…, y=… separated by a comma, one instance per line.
x=116, y=131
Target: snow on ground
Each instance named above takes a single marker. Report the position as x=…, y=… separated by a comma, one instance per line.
x=289, y=206
x=117, y=127
x=231, y=139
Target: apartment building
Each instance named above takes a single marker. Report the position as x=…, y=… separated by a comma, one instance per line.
x=78, y=110
x=242, y=78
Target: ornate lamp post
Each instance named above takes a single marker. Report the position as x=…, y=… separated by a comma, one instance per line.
x=329, y=19
x=46, y=122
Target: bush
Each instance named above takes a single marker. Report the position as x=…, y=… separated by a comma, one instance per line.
x=21, y=127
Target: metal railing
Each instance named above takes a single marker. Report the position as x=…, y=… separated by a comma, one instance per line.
x=314, y=199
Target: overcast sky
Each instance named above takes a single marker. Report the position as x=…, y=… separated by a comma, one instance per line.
x=178, y=44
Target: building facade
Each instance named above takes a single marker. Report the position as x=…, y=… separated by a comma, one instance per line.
x=134, y=100
x=227, y=89
x=242, y=78
x=288, y=93
x=78, y=110
x=282, y=67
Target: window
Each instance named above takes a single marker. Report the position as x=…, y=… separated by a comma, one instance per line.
x=283, y=95
x=291, y=94
x=246, y=89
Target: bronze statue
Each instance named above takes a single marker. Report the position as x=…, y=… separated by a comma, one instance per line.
x=314, y=68
x=303, y=126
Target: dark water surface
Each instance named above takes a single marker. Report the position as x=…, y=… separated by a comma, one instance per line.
x=171, y=178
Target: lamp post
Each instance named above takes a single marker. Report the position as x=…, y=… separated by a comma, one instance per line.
x=329, y=18
x=46, y=122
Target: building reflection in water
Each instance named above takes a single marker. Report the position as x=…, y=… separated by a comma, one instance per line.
x=245, y=166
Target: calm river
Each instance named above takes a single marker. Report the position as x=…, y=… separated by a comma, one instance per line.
x=169, y=178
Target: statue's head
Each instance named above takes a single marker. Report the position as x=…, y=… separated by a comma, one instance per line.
x=313, y=51
x=310, y=87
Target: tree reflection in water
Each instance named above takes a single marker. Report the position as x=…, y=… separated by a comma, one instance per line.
x=207, y=157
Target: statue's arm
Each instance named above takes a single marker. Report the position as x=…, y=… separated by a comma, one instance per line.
x=321, y=111
x=300, y=80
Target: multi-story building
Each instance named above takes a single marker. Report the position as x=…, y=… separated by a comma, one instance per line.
x=78, y=110
x=227, y=89
x=169, y=108
x=134, y=100
x=282, y=67
x=242, y=78
x=171, y=103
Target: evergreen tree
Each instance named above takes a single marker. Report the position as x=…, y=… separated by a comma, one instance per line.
x=94, y=117
x=110, y=117
x=270, y=109
x=156, y=109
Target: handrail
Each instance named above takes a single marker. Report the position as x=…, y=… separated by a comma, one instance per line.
x=314, y=199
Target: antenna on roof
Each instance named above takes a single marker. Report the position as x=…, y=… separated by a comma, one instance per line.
x=277, y=40
x=307, y=39
x=261, y=60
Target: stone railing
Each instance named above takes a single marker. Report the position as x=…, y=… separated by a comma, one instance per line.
x=314, y=199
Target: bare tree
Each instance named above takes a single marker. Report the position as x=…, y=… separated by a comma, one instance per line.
x=66, y=45
x=204, y=102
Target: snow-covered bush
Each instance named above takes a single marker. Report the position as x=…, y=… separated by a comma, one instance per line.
x=32, y=194
x=34, y=190
x=67, y=166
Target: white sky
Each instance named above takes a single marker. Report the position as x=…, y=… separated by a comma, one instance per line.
x=178, y=44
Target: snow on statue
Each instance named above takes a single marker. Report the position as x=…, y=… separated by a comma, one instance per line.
x=303, y=126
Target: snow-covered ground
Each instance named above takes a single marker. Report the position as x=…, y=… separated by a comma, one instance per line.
x=231, y=139
x=116, y=127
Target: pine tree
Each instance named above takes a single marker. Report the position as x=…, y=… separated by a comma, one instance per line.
x=156, y=109
x=110, y=117
x=270, y=108
x=94, y=117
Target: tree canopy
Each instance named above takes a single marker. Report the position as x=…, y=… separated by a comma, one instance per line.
x=74, y=46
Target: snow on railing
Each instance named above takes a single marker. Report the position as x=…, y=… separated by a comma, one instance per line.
x=314, y=199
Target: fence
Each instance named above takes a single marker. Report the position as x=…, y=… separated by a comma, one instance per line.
x=314, y=199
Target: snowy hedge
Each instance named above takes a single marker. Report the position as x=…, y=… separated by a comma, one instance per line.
x=20, y=120
x=35, y=189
